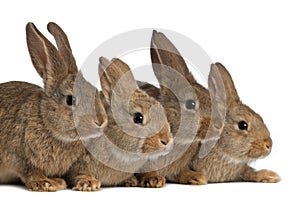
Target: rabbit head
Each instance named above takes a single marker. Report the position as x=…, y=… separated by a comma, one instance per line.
x=244, y=136
x=187, y=102
x=70, y=106
x=134, y=112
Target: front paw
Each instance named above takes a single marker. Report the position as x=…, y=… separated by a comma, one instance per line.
x=267, y=176
x=153, y=181
x=44, y=184
x=86, y=184
x=131, y=182
x=192, y=178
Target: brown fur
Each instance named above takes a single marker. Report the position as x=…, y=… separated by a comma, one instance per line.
x=229, y=158
x=39, y=140
x=164, y=53
x=92, y=164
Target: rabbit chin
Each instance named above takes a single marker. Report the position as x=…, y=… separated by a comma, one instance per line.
x=161, y=152
x=258, y=157
x=73, y=136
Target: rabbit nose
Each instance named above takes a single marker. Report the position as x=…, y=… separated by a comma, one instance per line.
x=98, y=124
x=268, y=145
x=101, y=123
x=164, y=142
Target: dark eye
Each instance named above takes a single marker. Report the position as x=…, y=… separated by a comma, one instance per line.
x=71, y=100
x=138, y=118
x=190, y=104
x=243, y=125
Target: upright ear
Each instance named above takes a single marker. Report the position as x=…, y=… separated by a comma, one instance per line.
x=163, y=52
x=222, y=88
x=45, y=59
x=63, y=45
x=115, y=77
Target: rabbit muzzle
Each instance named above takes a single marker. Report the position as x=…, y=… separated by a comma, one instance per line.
x=260, y=148
x=161, y=141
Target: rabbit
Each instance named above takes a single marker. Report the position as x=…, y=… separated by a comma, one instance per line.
x=188, y=168
x=183, y=98
x=105, y=163
x=39, y=140
x=244, y=137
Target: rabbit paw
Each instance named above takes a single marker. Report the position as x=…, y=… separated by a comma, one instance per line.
x=154, y=181
x=192, y=178
x=87, y=184
x=131, y=182
x=267, y=176
x=44, y=184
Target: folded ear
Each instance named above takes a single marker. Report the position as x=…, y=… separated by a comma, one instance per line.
x=45, y=58
x=163, y=52
x=63, y=45
x=115, y=77
x=222, y=88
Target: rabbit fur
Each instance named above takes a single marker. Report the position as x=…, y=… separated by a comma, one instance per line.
x=38, y=131
x=220, y=112
x=109, y=161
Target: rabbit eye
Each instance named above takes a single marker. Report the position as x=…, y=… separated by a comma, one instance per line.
x=243, y=125
x=138, y=118
x=71, y=100
x=190, y=104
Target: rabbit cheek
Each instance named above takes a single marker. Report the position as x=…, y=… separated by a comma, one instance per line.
x=260, y=148
x=88, y=128
x=160, y=141
x=152, y=144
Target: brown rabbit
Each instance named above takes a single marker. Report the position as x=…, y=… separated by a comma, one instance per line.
x=187, y=105
x=124, y=147
x=244, y=138
x=38, y=135
x=187, y=169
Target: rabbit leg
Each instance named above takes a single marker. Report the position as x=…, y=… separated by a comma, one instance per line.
x=192, y=178
x=35, y=180
x=263, y=176
x=86, y=183
x=40, y=183
x=151, y=180
x=131, y=182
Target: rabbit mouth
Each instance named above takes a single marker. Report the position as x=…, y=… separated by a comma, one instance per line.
x=88, y=131
x=73, y=135
x=257, y=154
x=162, y=152
x=92, y=136
x=68, y=138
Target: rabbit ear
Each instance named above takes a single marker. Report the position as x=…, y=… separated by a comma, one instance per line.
x=45, y=58
x=115, y=73
x=163, y=52
x=63, y=45
x=221, y=87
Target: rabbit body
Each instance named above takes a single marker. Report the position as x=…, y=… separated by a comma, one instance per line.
x=24, y=130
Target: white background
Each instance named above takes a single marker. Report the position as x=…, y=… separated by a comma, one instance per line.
x=258, y=42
